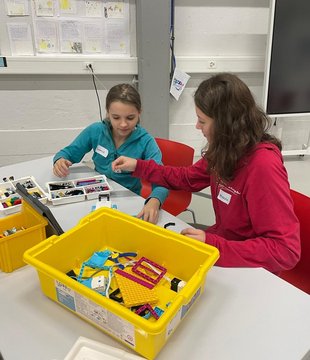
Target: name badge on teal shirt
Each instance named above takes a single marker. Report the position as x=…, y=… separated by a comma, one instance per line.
x=102, y=151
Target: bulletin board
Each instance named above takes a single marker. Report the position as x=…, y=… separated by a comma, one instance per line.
x=66, y=29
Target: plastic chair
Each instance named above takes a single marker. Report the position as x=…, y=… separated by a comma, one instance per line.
x=299, y=276
x=176, y=154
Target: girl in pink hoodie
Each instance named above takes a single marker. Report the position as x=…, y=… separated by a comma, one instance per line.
x=242, y=163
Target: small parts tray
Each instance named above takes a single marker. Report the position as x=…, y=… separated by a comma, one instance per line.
x=69, y=191
x=10, y=201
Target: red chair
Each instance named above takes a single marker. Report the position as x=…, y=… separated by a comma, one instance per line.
x=175, y=154
x=299, y=276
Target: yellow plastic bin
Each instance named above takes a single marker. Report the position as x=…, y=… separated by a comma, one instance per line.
x=12, y=247
x=106, y=228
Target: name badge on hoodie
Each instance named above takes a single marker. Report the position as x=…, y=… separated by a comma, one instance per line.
x=102, y=151
x=224, y=196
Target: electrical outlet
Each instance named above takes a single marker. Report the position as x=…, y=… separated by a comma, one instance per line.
x=212, y=64
x=88, y=66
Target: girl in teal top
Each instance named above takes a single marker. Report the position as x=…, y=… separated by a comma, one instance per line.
x=119, y=134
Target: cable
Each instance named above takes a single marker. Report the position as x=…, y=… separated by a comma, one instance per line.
x=172, y=38
x=99, y=81
x=89, y=66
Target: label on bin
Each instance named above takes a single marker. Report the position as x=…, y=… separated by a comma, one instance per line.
x=173, y=324
x=181, y=313
x=186, y=307
x=94, y=313
x=65, y=295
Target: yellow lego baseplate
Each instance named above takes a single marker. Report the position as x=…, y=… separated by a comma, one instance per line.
x=134, y=294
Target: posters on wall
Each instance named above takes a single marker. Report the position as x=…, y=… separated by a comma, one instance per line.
x=68, y=26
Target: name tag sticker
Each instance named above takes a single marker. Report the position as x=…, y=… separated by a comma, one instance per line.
x=224, y=197
x=102, y=151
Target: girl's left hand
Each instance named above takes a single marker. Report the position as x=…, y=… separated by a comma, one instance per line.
x=150, y=211
x=196, y=234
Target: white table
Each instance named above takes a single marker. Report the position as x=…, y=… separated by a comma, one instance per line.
x=243, y=313
x=125, y=200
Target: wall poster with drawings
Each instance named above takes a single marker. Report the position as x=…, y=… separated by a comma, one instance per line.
x=55, y=27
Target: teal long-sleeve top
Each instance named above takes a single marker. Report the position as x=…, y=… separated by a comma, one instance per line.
x=98, y=137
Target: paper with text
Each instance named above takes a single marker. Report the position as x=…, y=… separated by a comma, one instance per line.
x=178, y=83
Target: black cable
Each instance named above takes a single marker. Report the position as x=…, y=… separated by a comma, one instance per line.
x=94, y=82
x=169, y=224
x=172, y=38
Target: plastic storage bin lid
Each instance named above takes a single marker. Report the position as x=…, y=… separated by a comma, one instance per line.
x=40, y=208
x=87, y=349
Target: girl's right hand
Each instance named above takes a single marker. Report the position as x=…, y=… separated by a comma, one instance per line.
x=61, y=167
x=124, y=163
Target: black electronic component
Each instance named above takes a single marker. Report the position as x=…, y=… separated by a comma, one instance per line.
x=114, y=296
x=72, y=274
x=174, y=284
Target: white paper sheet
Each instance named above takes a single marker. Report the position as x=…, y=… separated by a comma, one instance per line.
x=93, y=8
x=93, y=35
x=46, y=36
x=71, y=37
x=20, y=38
x=117, y=37
x=44, y=7
x=178, y=83
x=114, y=9
x=17, y=7
x=67, y=7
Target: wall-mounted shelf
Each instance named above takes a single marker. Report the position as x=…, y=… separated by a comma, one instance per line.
x=70, y=65
x=127, y=65
x=296, y=152
x=214, y=64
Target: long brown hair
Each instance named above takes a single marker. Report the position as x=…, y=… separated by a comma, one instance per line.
x=239, y=124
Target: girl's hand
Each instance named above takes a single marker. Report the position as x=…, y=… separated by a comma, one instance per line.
x=150, y=211
x=61, y=167
x=196, y=234
x=124, y=163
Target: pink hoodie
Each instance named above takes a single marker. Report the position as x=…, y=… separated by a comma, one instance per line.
x=255, y=222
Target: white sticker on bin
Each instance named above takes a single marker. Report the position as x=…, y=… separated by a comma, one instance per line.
x=86, y=308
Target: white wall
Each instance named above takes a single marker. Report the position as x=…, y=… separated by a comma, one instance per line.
x=234, y=34
x=182, y=112
x=42, y=113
